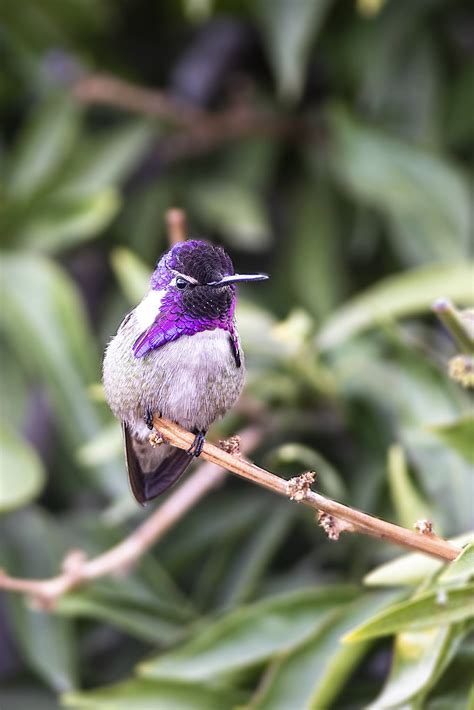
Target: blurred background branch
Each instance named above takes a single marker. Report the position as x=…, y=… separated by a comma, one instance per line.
x=78, y=570
x=111, y=91
x=199, y=131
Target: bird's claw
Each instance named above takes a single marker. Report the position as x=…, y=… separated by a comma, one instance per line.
x=149, y=419
x=196, y=447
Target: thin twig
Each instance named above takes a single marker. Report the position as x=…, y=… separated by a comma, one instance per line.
x=176, y=225
x=77, y=569
x=360, y=522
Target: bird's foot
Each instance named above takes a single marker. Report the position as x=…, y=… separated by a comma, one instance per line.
x=155, y=437
x=149, y=418
x=196, y=447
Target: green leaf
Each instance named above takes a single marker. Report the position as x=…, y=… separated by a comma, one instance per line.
x=402, y=87
x=459, y=324
x=137, y=618
x=397, y=381
x=455, y=690
x=49, y=314
x=410, y=569
x=249, y=636
x=15, y=390
x=105, y=159
x=148, y=583
x=311, y=259
x=22, y=475
x=107, y=443
x=408, y=503
x=59, y=223
x=409, y=293
x=45, y=641
x=144, y=694
x=24, y=694
x=419, y=658
x=460, y=105
x=450, y=494
x=289, y=29
x=145, y=603
x=234, y=211
x=43, y=145
x=251, y=162
x=461, y=569
x=132, y=274
x=142, y=226
x=208, y=524
x=426, y=200
x=312, y=674
x=459, y=435
x=254, y=556
x=290, y=335
x=433, y=608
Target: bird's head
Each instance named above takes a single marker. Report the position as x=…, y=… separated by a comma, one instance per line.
x=193, y=289
x=200, y=278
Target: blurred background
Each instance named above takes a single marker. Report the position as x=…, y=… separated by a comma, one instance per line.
x=330, y=144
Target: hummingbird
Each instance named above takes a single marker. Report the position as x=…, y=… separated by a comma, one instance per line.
x=178, y=355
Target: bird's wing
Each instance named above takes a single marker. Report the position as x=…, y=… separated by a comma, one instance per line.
x=151, y=471
x=235, y=347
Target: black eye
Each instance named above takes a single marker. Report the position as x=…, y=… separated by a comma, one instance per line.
x=181, y=283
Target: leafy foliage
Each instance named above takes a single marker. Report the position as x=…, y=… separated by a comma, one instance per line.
x=356, y=199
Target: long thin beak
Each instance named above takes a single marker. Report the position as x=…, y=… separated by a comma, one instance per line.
x=236, y=278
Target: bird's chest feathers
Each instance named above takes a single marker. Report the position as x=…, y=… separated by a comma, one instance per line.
x=209, y=350
x=194, y=379
x=204, y=356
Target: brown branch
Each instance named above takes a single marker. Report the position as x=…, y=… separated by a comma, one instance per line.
x=110, y=91
x=199, y=131
x=299, y=489
x=77, y=570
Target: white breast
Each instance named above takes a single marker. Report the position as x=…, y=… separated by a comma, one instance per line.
x=148, y=309
x=210, y=346
x=202, y=381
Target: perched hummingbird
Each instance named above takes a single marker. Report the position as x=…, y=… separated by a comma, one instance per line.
x=177, y=354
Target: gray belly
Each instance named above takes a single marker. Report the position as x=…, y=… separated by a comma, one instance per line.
x=192, y=381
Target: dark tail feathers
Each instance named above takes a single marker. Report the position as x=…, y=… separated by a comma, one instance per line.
x=170, y=463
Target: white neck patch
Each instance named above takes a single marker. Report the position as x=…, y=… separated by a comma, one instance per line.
x=148, y=309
